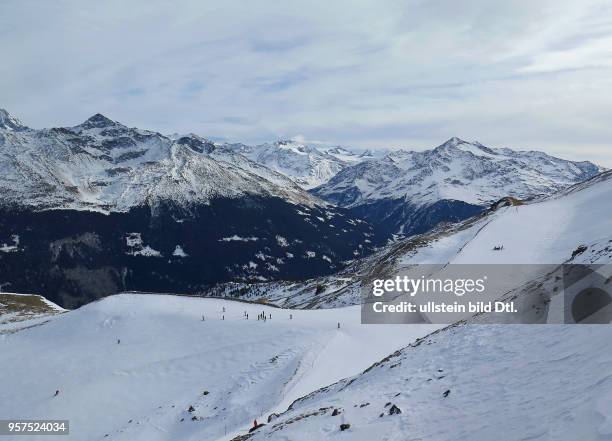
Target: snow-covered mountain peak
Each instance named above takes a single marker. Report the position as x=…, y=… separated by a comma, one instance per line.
x=98, y=121
x=458, y=148
x=452, y=142
x=9, y=122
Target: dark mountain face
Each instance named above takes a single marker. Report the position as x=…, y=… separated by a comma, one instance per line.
x=396, y=216
x=73, y=257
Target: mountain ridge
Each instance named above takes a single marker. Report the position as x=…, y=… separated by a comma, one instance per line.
x=102, y=164
x=99, y=208
x=403, y=186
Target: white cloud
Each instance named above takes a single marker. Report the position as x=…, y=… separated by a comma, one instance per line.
x=531, y=74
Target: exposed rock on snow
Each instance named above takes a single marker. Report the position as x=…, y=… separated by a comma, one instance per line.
x=487, y=368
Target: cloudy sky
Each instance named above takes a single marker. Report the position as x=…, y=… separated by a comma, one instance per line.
x=381, y=73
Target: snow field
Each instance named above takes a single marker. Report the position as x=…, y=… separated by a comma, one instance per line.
x=141, y=389
x=504, y=382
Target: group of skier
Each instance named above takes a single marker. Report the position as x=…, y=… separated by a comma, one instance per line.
x=263, y=316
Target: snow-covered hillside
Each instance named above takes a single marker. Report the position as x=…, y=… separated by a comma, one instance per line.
x=147, y=367
x=472, y=383
x=546, y=231
x=405, y=188
x=477, y=382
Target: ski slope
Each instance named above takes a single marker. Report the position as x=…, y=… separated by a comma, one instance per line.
x=141, y=389
x=504, y=382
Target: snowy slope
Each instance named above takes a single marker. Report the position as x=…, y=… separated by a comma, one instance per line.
x=142, y=388
x=473, y=382
x=530, y=240
x=551, y=382
x=543, y=232
x=503, y=382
